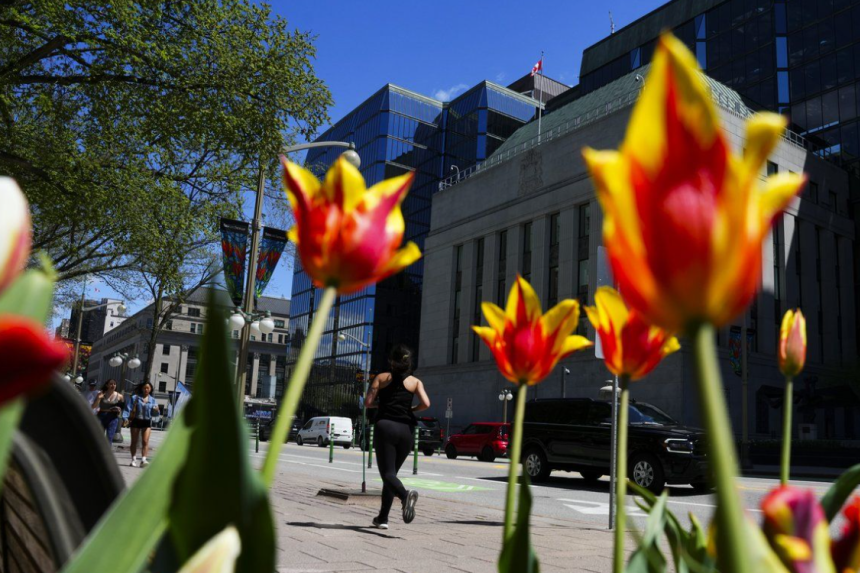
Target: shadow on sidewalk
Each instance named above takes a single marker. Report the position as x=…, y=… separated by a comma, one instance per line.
x=369, y=529
x=476, y=522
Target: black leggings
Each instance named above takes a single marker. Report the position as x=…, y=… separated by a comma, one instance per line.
x=393, y=444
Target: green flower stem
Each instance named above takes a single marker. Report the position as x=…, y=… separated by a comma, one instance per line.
x=621, y=476
x=733, y=554
x=297, y=385
x=514, y=456
x=787, y=407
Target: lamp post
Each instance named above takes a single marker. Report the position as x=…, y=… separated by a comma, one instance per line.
x=564, y=373
x=123, y=359
x=505, y=396
x=366, y=346
x=172, y=397
x=256, y=225
x=120, y=309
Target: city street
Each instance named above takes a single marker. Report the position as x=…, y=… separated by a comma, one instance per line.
x=461, y=499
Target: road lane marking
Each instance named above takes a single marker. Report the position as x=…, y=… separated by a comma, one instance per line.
x=440, y=486
x=598, y=508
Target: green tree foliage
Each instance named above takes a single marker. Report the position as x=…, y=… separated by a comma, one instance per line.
x=132, y=126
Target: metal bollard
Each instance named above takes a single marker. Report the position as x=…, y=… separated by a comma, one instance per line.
x=331, y=445
x=257, y=437
x=370, y=450
x=415, y=454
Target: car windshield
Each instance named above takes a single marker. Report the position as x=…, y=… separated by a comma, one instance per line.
x=642, y=413
x=431, y=424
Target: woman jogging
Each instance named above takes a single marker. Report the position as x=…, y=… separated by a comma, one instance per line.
x=392, y=393
x=109, y=405
x=140, y=412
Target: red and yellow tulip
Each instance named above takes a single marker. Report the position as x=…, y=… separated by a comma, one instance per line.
x=792, y=343
x=14, y=231
x=684, y=217
x=28, y=355
x=526, y=343
x=797, y=529
x=347, y=236
x=846, y=550
x=631, y=346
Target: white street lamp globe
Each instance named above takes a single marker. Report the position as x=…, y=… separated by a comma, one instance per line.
x=255, y=328
x=341, y=336
x=501, y=397
x=121, y=308
x=267, y=325
x=352, y=158
x=67, y=378
x=134, y=362
x=509, y=396
x=237, y=322
x=115, y=361
x=79, y=379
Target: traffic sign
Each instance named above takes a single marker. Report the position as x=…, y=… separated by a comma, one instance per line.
x=450, y=403
x=449, y=413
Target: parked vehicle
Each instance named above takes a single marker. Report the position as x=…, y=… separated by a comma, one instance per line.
x=574, y=434
x=484, y=440
x=266, y=427
x=430, y=435
x=318, y=430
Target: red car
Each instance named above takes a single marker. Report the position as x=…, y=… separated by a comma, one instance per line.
x=486, y=440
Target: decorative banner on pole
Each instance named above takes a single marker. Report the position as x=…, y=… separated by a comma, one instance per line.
x=234, y=250
x=271, y=247
x=735, y=347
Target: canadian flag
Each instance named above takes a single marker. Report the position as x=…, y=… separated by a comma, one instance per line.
x=538, y=67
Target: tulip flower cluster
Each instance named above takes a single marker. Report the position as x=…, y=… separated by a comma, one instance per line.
x=796, y=528
x=27, y=353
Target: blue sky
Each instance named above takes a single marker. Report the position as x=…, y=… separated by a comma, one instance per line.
x=438, y=49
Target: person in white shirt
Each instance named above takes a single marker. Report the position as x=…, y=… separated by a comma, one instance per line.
x=91, y=395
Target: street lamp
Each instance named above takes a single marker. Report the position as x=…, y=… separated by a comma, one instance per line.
x=256, y=225
x=121, y=308
x=123, y=359
x=505, y=396
x=366, y=345
x=564, y=373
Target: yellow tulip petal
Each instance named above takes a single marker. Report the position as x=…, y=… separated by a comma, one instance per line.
x=299, y=180
x=593, y=316
x=530, y=298
x=785, y=327
x=344, y=183
x=293, y=235
x=574, y=343
x=403, y=258
x=777, y=192
x=671, y=345
x=565, y=312
x=495, y=316
x=613, y=311
x=486, y=333
x=764, y=131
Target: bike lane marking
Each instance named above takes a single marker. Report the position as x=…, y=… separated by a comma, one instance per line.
x=440, y=486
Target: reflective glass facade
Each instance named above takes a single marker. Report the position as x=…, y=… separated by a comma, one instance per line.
x=394, y=131
x=798, y=57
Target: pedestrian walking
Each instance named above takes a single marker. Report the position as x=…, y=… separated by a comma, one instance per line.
x=109, y=404
x=392, y=394
x=141, y=409
x=90, y=396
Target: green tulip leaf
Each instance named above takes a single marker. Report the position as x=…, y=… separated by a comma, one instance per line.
x=517, y=555
x=31, y=295
x=204, y=506
x=840, y=491
x=139, y=518
x=10, y=415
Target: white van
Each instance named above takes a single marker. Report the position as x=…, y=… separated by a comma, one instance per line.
x=318, y=431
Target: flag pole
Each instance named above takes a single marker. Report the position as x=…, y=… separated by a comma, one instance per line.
x=540, y=94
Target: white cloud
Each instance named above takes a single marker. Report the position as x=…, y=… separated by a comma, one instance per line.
x=448, y=95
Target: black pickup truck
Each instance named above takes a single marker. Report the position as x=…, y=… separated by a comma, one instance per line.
x=575, y=434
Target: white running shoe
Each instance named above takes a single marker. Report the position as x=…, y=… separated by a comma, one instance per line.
x=135, y=464
x=144, y=463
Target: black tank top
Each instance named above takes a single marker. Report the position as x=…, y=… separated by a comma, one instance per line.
x=395, y=402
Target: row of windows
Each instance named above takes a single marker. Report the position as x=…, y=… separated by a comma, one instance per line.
x=826, y=73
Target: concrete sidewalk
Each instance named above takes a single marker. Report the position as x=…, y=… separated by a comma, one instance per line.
x=320, y=534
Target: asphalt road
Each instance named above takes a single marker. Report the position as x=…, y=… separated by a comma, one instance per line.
x=566, y=495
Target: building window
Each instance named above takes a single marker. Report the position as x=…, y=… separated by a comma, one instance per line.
x=165, y=349
x=813, y=192
x=762, y=415
x=552, y=283
x=820, y=293
x=164, y=366
x=772, y=168
x=838, y=303
x=527, y=251
x=479, y=295
x=458, y=284
x=193, y=327
x=501, y=286
x=169, y=325
x=582, y=263
x=162, y=386
x=193, y=311
x=279, y=323
x=832, y=200
x=777, y=275
x=235, y=334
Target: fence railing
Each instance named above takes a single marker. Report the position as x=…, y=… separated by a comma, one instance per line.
x=734, y=107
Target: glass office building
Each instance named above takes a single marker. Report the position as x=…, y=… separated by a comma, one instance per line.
x=395, y=131
x=798, y=57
